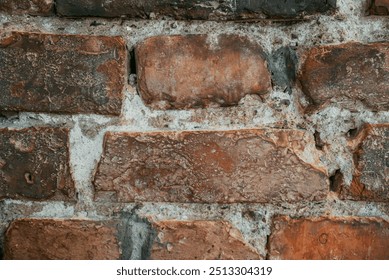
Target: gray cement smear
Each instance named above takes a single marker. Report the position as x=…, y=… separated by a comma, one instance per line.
x=278, y=109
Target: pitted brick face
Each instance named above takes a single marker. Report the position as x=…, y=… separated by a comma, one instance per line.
x=200, y=240
x=348, y=74
x=31, y=7
x=378, y=7
x=177, y=72
x=209, y=167
x=329, y=239
x=35, y=239
x=62, y=73
x=34, y=164
x=371, y=156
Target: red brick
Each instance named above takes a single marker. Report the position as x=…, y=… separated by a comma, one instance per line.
x=347, y=74
x=329, y=239
x=200, y=240
x=31, y=7
x=378, y=7
x=371, y=156
x=34, y=164
x=34, y=239
x=176, y=72
x=213, y=167
x=62, y=73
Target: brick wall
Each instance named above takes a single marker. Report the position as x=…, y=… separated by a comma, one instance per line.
x=194, y=129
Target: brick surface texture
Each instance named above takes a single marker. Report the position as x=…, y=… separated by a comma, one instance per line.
x=62, y=74
x=223, y=167
x=34, y=164
x=33, y=239
x=329, y=239
x=194, y=130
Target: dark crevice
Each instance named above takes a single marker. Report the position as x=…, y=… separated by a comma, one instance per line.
x=336, y=181
x=352, y=133
x=267, y=247
x=1, y=251
x=318, y=141
x=132, y=62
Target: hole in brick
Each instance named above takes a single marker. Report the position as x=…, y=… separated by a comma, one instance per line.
x=29, y=178
x=352, y=132
x=336, y=181
x=318, y=142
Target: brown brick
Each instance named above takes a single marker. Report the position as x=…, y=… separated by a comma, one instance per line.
x=190, y=71
x=34, y=164
x=378, y=7
x=371, y=156
x=329, y=239
x=348, y=74
x=214, y=167
x=200, y=240
x=31, y=7
x=33, y=239
x=62, y=73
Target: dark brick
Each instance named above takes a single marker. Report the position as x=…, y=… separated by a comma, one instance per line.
x=329, y=239
x=195, y=9
x=62, y=73
x=176, y=72
x=371, y=156
x=378, y=7
x=31, y=7
x=34, y=239
x=284, y=8
x=34, y=164
x=210, y=167
x=200, y=240
x=347, y=74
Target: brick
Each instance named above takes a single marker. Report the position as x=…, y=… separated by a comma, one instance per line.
x=176, y=72
x=35, y=239
x=31, y=7
x=329, y=239
x=34, y=164
x=284, y=8
x=62, y=73
x=371, y=159
x=200, y=240
x=209, y=167
x=378, y=7
x=195, y=9
x=348, y=74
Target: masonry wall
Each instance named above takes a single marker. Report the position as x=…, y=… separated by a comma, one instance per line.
x=194, y=129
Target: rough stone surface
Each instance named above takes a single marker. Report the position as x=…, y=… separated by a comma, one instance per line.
x=220, y=71
x=200, y=240
x=378, y=7
x=213, y=167
x=329, y=239
x=62, y=73
x=195, y=9
x=371, y=156
x=34, y=164
x=347, y=74
x=34, y=239
x=31, y=7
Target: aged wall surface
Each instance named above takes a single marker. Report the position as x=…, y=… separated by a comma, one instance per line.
x=194, y=129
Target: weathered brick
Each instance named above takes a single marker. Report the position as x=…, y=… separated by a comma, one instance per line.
x=348, y=74
x=329, y=239
x=195, y=9
x=31, y=7
x=34, y=164
x=35, y=239
x=214, y=167
x=62, y=73
x=195, y=71
x=371, y=156
x=378, y=7
x=284, y=8
x=200, y=240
